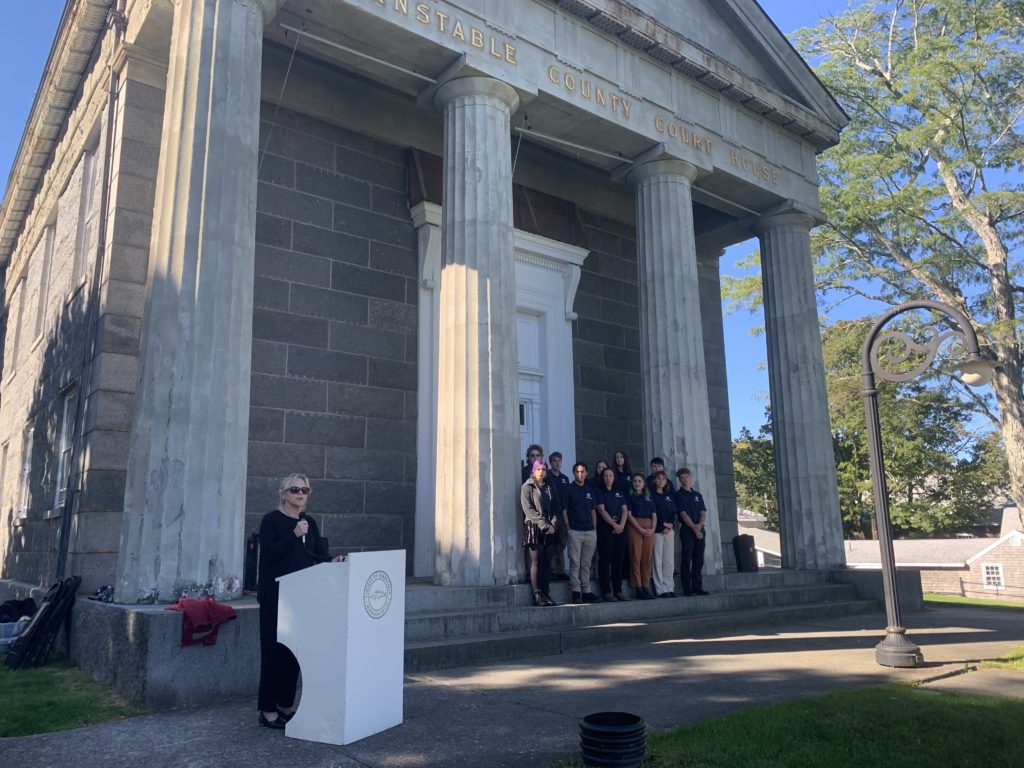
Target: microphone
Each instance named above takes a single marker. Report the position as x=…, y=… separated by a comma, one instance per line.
x=302, y=516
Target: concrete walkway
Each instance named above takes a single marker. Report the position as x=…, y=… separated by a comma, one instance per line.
x=525, y=713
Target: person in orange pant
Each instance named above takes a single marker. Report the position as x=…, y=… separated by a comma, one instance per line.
x=642, y=518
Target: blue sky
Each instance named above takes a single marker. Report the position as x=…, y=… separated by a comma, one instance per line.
x=23, y=56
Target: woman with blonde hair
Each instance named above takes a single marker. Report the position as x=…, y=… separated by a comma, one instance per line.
x=641, y=537
x=289, y=541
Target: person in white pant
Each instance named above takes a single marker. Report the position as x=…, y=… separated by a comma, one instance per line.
x=579, y=516
x=664, y=543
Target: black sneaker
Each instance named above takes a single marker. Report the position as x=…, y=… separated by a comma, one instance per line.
x=700, y=592
x=590, y=597
x=277, y=723
x=576, y=598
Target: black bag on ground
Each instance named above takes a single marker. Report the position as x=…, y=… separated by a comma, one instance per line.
x=12, y=610
x=746, y=553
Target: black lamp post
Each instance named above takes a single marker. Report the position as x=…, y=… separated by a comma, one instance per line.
x=898, y=650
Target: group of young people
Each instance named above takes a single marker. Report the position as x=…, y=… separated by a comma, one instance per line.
x=623, y=516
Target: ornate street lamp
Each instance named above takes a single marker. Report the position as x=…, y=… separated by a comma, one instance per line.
x=898, y=650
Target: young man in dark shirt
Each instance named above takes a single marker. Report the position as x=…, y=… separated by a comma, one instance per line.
x=658, y=465
x=533, y=453
x=560, y=485
x=579, y=519
x=692, y=516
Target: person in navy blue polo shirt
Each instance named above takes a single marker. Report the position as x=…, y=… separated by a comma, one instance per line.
x=664, y=536
x=623, y=472
x=556, y=546
x=692, y=515
x=658, y=465
x=642, y=520
x=612, y=518
x=533, y=453
x=579, y=518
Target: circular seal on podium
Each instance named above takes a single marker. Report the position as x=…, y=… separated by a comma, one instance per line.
x=377, y=594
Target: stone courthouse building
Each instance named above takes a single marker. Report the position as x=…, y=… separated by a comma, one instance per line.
x=389, y=243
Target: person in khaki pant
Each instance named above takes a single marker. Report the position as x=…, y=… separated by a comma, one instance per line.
x=642, y=519
x=579, y=518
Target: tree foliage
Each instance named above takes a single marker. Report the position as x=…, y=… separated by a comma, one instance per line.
x=754, y=468
x=942, y=477
x=923, y=195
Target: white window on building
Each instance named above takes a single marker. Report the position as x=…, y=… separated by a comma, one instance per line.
x=24, y=487
x=85, y=215
x=993, y=575
x=67, y=439
x=45, y=277
x=15, y=317
x=3, y=476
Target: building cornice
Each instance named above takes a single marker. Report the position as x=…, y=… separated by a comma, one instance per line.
x=81, y=26
x=645, y=33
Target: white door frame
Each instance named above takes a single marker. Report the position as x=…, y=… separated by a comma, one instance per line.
x=547, y=276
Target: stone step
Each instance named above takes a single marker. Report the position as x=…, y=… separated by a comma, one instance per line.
x=422, y=656
x=452, y=624
x=424, y=597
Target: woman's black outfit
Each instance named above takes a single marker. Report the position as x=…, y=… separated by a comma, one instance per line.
x=611, y=546
x=539, y=506
x=281, y=553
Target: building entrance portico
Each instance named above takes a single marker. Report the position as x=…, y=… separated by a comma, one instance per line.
x=443, y=229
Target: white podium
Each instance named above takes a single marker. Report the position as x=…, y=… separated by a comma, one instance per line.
x=345, y=623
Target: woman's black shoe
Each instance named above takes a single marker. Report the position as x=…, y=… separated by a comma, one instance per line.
x=547, y=599
x=277, y=723
x=286, y=716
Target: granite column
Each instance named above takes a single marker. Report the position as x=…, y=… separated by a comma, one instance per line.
x=477, y=431
x=185, y=492
x=811, y=532
x=674, y=375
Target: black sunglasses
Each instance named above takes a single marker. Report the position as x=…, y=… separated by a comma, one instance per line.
x=296, y=489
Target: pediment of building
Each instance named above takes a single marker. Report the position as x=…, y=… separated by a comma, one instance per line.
x=730, y=46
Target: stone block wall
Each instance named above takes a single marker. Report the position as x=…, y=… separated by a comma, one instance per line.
x=606, y=346
x=46, y=339
x=334, y=332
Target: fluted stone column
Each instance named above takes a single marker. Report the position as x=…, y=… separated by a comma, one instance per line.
x=185, y=492
x=809, y=519
x=674, y=375
x=709, y=274
x=477, y=430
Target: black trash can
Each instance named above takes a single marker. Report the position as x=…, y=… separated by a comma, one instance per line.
x=745, y=551
x=613, y=740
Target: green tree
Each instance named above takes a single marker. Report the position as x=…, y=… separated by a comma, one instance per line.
x=942, y=478
x=923, y=194
x=754, y=467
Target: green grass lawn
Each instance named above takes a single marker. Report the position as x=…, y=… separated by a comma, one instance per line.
x=1013, y=660
x=890, y=725
x=54, y=697
x=931, y=597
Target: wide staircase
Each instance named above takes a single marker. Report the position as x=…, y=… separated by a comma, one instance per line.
x=455, y=626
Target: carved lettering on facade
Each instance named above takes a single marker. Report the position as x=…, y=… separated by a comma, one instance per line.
x=682, y=134
x=755, y=168
x=590, y=91
x=455, y=28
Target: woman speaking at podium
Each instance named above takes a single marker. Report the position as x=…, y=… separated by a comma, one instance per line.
x=289, y=542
